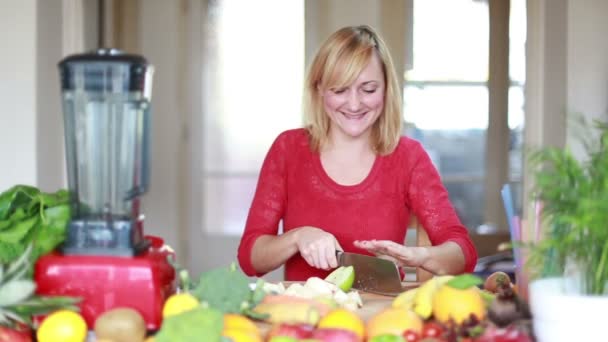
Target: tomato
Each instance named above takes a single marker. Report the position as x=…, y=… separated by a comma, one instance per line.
x=432, y=329
x=411, y=336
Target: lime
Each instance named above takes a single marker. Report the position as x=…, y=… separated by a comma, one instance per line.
x=387, y=338
x=343, y=277
x=282, y=339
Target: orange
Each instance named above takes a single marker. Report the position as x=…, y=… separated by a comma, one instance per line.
x=458, y=304
x=393, y=321
x=62, y=325
x=343, y=319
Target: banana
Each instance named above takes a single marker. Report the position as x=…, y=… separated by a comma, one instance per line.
x=423, y=298
x=405, y=299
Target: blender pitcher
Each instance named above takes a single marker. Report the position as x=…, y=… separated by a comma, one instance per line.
x=106, y=105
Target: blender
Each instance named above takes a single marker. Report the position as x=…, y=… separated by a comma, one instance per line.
x=106, y=259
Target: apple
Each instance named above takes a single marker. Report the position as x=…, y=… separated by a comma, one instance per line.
x=508, y=334
x=15, y=335
x=335, y=335
x=298, y=331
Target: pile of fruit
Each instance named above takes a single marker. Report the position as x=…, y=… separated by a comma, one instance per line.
x=443, y=309
x=455, y=308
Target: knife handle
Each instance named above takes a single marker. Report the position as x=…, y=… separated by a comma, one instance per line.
x=339, y=256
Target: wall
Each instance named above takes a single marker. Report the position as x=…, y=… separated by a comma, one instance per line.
x=587, y=64
x=568, y=52
x=18, y=93
x=159, y=43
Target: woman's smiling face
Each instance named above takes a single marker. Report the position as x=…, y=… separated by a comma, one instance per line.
x=353, y=109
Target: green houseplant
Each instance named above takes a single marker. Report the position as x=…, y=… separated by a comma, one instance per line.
x=569, y=262
x=574, y=194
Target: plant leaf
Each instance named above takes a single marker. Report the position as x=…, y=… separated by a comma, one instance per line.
x=464, y=281
x=16, y=291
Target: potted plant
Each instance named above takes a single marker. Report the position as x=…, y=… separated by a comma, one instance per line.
x=569, y=263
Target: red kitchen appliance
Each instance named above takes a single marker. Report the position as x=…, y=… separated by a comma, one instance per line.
x=106, y=259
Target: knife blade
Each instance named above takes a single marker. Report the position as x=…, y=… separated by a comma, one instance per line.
x=373, y=274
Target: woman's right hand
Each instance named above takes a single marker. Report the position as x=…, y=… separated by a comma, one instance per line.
x=317, y=247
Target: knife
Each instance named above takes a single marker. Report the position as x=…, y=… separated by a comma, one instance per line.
x=373, y=274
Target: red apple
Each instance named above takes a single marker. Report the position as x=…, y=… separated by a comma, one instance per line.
x=15, y=335
x=508, y=334
x=298, y=331
x=411, y=336
x=335, y=335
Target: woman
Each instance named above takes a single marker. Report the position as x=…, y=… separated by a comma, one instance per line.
x=348, y=180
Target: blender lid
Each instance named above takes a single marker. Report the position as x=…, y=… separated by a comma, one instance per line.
x=96, y=61
x=105, y=55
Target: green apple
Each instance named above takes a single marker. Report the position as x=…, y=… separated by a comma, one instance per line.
x=343, y=277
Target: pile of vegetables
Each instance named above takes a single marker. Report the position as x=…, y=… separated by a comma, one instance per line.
x=30, y=216
x=220, y=291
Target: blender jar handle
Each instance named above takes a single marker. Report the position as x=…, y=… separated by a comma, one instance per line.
x=144, y=167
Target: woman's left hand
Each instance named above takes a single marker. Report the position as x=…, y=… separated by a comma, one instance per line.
x=400, y=254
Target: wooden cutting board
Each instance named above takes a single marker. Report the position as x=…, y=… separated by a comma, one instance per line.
x=373, y=303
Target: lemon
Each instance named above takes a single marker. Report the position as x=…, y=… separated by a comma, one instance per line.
x=178, y=303
x=343, y=277
x=343, y=319
x=62, y=325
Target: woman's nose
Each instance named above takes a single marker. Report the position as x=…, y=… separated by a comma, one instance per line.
x=354, y=102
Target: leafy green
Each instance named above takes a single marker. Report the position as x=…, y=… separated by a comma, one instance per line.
x=200, y=324
x=464, y=281
x=574, y=194
x=30, y=216
x=18, y=302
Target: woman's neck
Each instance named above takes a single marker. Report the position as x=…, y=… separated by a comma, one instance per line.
x=340, y=144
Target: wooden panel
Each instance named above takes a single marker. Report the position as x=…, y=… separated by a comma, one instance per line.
x=422, y=239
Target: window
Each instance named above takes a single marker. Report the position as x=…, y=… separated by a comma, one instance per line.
x=253, y=92
x=446, y=95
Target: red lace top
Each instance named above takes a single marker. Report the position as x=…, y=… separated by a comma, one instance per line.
x=294, y=187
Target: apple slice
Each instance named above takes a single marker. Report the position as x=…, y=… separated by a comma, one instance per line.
x=343, y=277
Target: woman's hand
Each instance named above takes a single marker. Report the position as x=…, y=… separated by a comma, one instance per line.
x=400, y=254
x=317, y=247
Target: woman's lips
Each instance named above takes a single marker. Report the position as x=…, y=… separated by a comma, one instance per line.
x=354, y=116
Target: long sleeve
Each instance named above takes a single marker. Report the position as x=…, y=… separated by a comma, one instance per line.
x=268, y=204
x=430, y=203
x=294, y=188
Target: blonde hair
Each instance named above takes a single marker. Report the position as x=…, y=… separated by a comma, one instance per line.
x=338, y=63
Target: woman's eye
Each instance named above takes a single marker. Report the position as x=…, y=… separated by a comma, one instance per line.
x=338, y=91
x=370, y=91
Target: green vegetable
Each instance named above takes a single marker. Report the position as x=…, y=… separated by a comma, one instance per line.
x=30, y=216
x=227, y=290
x=200, y=324
x=464, y=281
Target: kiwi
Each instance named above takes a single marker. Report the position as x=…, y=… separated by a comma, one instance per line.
x=120, y=325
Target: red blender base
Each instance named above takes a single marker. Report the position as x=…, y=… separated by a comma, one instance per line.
x=142, y=282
